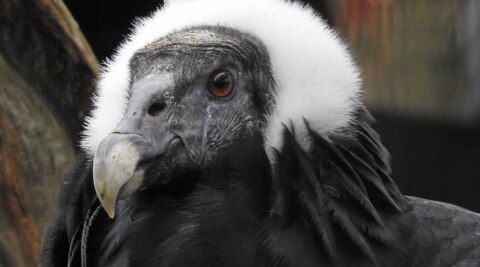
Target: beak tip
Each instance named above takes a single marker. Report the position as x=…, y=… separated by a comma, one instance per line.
x=107, y=199
x=109, y=207
x=111, y=213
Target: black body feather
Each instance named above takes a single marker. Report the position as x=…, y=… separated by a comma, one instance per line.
x=331, y=205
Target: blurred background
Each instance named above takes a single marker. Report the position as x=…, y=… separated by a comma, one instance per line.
x=420, y=62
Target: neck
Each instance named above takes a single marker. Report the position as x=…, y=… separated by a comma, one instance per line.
x=341, y=189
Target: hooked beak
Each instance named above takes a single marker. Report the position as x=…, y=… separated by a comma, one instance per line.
x=117, y=166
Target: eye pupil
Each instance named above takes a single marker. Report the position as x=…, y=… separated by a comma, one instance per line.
x=221, y=83
x=221, y=80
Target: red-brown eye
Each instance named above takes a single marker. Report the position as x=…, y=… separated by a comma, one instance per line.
x=221, y=83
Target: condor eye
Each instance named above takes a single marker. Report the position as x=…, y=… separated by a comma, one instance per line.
x=221, y=83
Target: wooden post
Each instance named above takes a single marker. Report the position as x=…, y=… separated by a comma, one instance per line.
x=46, y=80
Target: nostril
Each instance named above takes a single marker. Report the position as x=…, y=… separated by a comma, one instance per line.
x=156, y=109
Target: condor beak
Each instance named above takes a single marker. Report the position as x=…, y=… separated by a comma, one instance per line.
x=115, y=168
x=117, y=165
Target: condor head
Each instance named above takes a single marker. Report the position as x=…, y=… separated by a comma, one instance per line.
x=191, y=95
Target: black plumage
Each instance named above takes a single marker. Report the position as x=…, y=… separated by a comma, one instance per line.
x=333, y=205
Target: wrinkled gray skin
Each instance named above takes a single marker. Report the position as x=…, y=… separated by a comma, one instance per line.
x=173, y=124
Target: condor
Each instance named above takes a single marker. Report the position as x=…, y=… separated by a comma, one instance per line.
x=233, y=133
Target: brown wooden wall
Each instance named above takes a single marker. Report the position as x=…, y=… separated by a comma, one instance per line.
x=46, y=73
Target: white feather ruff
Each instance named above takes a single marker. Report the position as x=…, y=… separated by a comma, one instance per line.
x=315, y=76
